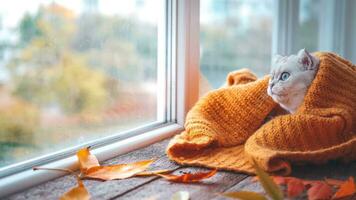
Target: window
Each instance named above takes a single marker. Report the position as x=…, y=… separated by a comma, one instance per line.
x=72, y=72
x=308, y=25
x=237, y=34
x=234, y=34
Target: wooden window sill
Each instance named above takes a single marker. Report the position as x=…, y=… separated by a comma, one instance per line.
x=157, y=188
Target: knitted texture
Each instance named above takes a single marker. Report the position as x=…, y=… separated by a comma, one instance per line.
x=225, y=128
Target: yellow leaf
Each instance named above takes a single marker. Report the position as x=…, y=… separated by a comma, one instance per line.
x=86, y=159
x=181, y=195
x=268, y=184
x=120, y=171
x=77, y=193
x=245, y=195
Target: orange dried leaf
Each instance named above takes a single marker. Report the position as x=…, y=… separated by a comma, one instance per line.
x=120, y=171
x=295, y=187
x=319, y=190
x=189, y=178
x=79, y=192
x=86, y=159
x=154, y=172
x=346, y=189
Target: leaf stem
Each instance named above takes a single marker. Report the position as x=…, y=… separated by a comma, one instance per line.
x=53, y=169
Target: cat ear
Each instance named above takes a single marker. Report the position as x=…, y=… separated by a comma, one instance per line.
x=305, y=59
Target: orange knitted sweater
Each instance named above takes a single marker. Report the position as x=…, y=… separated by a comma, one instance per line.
x=225, y=128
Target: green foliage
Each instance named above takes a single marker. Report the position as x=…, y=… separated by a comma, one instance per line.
x=28, y=29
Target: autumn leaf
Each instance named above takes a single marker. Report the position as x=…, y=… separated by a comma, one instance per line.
x=268, y=184
x=319, y=190
x=346, y=189
x=295, y=187
x=188, y=177
x=119, y=171
x=77, y=193
x=181, y=195
x=245, y=195
x=86, y=159
x=154, y=172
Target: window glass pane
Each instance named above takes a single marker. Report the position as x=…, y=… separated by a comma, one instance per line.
x=73, y=71
x=308, y=28
x=234, y=34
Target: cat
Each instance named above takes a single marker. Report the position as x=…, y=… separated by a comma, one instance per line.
x=291, y=77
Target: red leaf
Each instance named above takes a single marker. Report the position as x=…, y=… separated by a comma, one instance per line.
x=295, y=187
x=346, y=189
x=188, y=178
x=319, y=190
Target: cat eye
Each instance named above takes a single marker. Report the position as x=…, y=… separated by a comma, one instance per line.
x=284, y=76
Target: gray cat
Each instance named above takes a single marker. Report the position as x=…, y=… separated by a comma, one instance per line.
x=291, y=77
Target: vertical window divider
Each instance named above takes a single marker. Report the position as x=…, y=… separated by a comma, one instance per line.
x=286, y=19
x=187, y=56
x=350, y=30
x=333, y=26
x=163, y=66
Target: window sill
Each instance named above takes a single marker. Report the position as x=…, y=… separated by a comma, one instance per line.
x=29, y=178
x=154, y=187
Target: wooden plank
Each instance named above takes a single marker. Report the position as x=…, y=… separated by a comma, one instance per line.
x=163, y=189
x=103, y=190
x=245, y=185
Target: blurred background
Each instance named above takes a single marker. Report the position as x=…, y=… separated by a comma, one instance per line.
x=73, y=71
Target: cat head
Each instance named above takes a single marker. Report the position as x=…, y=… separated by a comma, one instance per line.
x=291, y=76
